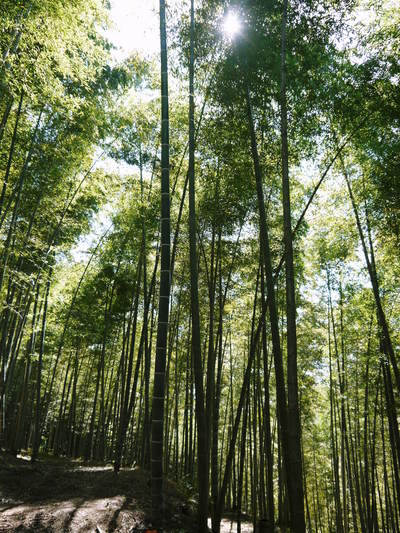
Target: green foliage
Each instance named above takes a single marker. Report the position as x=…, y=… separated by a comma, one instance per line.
x=97, y=226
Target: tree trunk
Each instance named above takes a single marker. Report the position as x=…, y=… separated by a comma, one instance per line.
x=202, y=434
x=294, y=425
x=11, y=153
x=163, y=314
x=36, y=441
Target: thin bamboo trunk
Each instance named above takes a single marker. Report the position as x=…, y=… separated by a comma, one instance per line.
x=163, y=314
x=38, y=417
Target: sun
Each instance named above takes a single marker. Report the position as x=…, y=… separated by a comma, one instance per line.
x=231, y=25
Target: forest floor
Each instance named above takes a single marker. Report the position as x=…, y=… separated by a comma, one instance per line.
x=229, y=525
x=58, y=495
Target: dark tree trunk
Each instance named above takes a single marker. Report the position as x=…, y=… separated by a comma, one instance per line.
x=294, y=425
x=11, y=154
x=38, y=417
x=163, y=314
x=202, y=434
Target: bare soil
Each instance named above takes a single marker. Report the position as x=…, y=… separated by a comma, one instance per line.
x=61, y=496
x=229, y=525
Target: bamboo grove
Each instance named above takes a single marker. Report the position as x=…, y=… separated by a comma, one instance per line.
x=199, y=269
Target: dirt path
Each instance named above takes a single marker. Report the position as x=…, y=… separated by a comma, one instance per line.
x=62, y=496
x=230, y=526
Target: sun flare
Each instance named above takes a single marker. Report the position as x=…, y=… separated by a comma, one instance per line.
x=231, y=25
